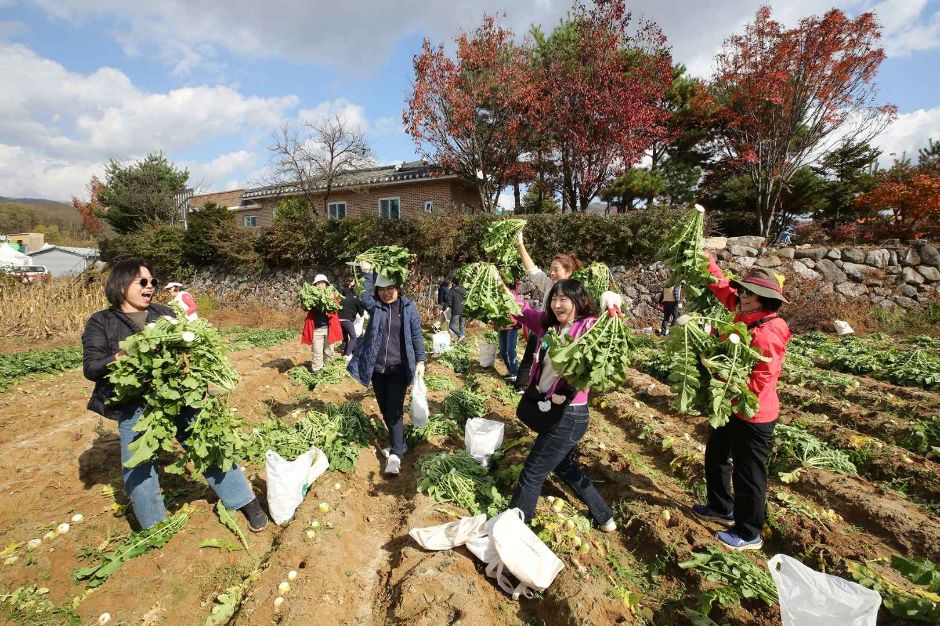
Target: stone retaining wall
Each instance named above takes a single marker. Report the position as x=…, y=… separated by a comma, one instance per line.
x=888, y=275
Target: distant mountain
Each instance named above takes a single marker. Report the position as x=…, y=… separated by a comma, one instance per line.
x=19, y=214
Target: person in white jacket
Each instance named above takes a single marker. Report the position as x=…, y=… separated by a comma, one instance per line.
x=561, y=267
x=183, y=299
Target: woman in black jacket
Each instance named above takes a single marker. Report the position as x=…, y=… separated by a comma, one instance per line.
x=350, y=307
x=130, y=290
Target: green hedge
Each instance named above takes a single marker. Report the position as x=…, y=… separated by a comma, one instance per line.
x=441, y=242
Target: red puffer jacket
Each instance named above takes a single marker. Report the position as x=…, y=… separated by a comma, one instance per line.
x=770, y=337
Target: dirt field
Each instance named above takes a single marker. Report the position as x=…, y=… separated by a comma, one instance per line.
x=58, y=459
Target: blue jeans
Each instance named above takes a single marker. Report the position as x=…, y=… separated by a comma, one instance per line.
x=507, y=349
x=456, y=325
x=555, y=451
x=143, y=486
x=390, y=394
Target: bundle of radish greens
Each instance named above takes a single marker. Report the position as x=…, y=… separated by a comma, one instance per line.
x=596, y=360
x=710, y=371
x=322, y=298
x=683, y=253
x=176, y=367
x=488, y=299
x=389, y=261
x=499, y=245
x=596, y=278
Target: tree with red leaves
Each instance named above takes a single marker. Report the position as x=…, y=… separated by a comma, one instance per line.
x=600, y=88
x=468, y=113
x=911, y=193
x=90, y=212
x=791, y=96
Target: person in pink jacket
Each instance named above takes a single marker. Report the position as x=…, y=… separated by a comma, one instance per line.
x=737, y=453
x=571, y=311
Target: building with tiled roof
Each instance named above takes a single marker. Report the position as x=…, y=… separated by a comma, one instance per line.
x=389, y=191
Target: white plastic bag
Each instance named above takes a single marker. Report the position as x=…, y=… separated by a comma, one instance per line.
x=523, y=554
x=419, y=403
x=811, y=598
x=359, y=324
x=450, y=535
x=440, y=342
x=483, y=437
x=842, y=328
x=288, y=481
x=487, y=355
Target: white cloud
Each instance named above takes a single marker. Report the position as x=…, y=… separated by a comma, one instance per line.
x=353, y=115
x=909, y=132
x=216, y=174
x=59, y=127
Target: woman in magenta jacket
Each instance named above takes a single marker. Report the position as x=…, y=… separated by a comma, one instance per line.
x=737, y=453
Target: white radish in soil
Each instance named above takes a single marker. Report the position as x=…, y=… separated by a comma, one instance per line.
x=311, y=534
x=284, y=587
x=62, y=528
x=324, y=507
x=78, y=518
x=34, y=543
x=104, y=618
x=278, y=601
x=292, y=575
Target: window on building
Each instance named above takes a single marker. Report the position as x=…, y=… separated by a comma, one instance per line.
x=336, y=210
x=390, y=208
x=250, y=221
x=428, y=206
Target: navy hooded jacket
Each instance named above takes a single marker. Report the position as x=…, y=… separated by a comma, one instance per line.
x=363, y=362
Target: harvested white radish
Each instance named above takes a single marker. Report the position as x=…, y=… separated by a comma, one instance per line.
x=34, y=543
x=311, y=534
x=292, y=575
x=324, y=507
x=278, y=601
x=284, y=587
x=104, y=618
x=62, y=528
x=78, y=518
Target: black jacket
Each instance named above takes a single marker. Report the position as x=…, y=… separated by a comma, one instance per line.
x=351, y=306
x=455, y=299
x=100, y=342
x=442, y=291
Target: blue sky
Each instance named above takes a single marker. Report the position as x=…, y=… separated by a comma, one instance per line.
x=208, y=81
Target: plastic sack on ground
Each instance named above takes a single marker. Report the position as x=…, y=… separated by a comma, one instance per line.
x=288, y=481
x=523, y=554
x=811, y=598
x=483, y=437
x=440, y=342
x=419, y=403
x=447, y=536
x=487, y=355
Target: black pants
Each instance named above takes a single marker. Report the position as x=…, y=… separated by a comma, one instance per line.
x=390, y=394
x=349, y=336
x=669, y=316
x=525, y=365
x=737, y=454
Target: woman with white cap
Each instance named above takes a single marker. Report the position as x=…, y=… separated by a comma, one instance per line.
x=321, y=330
x=183, y=299
x=389, y=356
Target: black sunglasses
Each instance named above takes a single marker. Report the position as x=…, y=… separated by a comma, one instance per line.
x=154, y=282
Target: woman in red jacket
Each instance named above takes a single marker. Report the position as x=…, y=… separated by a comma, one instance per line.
x=737, y=452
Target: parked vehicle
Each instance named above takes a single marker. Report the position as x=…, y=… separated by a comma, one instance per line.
x=26, y=273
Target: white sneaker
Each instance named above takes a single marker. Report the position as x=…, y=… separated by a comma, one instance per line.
x=393, y=466
x=388, y=451
x=609, y=526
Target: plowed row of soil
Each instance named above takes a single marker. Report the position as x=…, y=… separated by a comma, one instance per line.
x=361, y=567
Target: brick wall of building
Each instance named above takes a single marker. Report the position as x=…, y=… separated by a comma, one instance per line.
x=222, y=198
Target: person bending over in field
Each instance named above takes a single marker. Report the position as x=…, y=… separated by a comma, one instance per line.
x=572, y=312
x=737, y=453
x=389, y=355
x=130, y=289
x=561, y=268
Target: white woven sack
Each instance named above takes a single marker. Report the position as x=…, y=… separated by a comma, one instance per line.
x=447, y=536
x=523, y=554
x=288, y=481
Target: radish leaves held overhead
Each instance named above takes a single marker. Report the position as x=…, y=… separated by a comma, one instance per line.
x=596, y=278
x=389, y=261
x=323, y=298
x=499, y=245
x=488, y=299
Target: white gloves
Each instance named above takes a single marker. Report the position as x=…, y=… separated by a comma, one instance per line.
x=419, y=369
x=610, y=299
x=365, y=266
